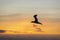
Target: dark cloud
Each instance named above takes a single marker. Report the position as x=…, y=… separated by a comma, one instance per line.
x=2, y=31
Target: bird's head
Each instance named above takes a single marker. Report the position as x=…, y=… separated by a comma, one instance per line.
x=35, y=15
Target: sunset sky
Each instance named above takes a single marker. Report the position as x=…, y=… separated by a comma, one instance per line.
x=16, y=16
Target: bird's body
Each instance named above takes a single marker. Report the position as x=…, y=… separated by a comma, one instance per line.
x=36, y=20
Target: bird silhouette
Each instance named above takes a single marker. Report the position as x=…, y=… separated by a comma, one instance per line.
x=36, y=20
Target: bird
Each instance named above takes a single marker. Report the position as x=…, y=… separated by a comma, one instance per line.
x=36, y=20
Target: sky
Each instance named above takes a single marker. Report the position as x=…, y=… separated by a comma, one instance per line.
x=16, y=16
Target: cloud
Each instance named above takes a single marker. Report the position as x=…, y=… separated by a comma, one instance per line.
x=12, y=17
x=13, y=31
x=34, y=25
x=39, y=29
x=2, y=31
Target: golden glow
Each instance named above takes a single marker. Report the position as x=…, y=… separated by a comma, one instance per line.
x=16, y=16
x=26, y=27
